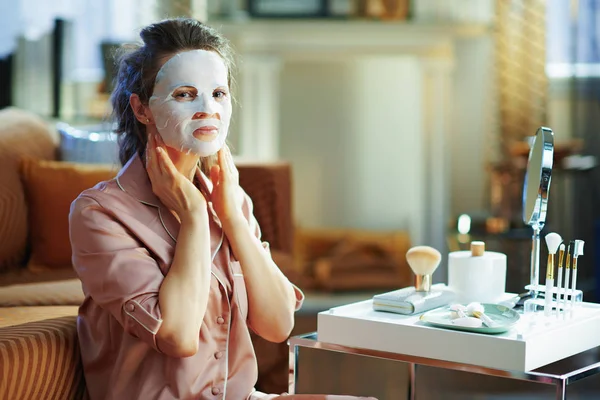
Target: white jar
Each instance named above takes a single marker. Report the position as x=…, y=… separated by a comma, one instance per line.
x=477, y=275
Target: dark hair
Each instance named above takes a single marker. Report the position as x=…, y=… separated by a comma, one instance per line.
x=139, y=64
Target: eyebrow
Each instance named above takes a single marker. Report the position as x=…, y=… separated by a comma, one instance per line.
x=187, y=84
x=178, y=85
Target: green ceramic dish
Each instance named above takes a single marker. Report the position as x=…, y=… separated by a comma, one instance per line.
x=503, y=317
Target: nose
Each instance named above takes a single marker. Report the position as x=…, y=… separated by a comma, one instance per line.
x=206, y=104
x=205, y=115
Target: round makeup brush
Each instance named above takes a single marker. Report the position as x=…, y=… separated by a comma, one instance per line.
x=578, y=251
x=423, y=260
x=553, y=241
x=559, y=271
x=478, y=311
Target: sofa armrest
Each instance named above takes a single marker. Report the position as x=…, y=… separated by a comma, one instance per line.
x=41, y=358
x=269, y=185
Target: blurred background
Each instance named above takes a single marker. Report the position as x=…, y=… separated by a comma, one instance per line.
x=398, y=122
x=396, y=116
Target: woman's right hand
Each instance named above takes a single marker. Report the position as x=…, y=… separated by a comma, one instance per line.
x=175, y=191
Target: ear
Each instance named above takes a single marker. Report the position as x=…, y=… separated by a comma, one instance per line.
x=142, y=112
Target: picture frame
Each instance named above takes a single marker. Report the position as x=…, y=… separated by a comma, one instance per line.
x=288, y=8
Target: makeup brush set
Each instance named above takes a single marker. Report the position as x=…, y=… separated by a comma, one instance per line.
x=562, y=297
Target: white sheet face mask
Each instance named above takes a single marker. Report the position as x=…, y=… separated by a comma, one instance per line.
x=191, y=104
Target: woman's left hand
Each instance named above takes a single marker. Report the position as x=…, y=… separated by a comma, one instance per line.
x=227, y=195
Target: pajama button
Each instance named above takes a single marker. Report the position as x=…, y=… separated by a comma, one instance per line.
x=130, y=307
x=215, y=391
x=218, y=354
x=220, y=320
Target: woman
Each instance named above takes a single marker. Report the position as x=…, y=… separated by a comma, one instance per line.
x=170, y=260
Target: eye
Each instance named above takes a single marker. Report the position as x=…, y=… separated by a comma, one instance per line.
x=185, y=94
x=219, y=93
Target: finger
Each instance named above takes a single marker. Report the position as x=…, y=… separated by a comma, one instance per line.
x=161, y=161
x=223, y=164
x=148, y=152
x=159, y=141
x=166, y=164
x=214, y=175
x=232, y=166
x=152, y=159
x=228, y=159
x=156, y=158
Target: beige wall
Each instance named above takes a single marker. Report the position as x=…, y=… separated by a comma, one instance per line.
x=353, y=133
x=356, y=142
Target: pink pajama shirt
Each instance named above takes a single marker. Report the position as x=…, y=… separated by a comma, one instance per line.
x=123, y=240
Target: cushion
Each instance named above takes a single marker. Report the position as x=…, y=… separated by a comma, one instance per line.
x=50, y=188
x=352, y=259
x=22, y=133
x=25, y=275
x=67, y=292
x=40, y=354
x=15, y=316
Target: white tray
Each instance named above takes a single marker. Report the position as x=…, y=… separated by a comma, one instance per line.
x=534, y=342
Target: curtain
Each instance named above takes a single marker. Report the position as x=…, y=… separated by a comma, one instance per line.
x=520, y=62
x=574, y=71
x=520, y=96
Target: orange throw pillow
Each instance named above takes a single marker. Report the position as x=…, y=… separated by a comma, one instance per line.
x=50, y=188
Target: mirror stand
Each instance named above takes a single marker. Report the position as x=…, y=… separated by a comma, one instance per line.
x=535, y=200
x=534, y=282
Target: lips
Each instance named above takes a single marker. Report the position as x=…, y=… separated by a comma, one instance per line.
x=206, y=133
x=206, y=130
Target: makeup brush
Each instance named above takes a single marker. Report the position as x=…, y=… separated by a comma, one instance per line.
x=478, y=311
x=553, y=241
x=567, y=276
x=423, y=260
x=561, y=259
x=458, y=311
x=577, y=251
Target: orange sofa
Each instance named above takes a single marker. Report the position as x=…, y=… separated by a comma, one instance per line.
x=39, y=353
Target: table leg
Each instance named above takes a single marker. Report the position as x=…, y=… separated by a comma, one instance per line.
x=293, y=369
x=412, y=381
x=561, y=390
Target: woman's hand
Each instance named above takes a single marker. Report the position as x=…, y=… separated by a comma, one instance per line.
x=227, y=196
x=172, y=188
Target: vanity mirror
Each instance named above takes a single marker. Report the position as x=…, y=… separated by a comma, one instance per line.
x=535, y=196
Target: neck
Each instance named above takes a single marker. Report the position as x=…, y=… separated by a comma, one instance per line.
x=185, y=163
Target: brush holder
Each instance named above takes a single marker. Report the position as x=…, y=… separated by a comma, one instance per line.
x=562, y=300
